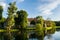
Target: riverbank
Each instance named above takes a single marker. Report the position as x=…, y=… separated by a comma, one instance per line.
x=12, y=30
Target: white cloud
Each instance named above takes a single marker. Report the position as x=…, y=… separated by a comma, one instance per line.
x=3, y=4
x=46, y=9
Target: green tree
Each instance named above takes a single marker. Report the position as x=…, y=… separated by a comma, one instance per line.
x=57, y=23
x=39, y=31
x=39, y=27
x=52, y=24
x=2, y=22
x=11, y=11
x=53, y=27
x=40, y=20
x=22, y=19
x=1, y=10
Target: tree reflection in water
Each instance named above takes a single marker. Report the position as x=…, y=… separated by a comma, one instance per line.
x=49, y=35
x=24, y=35
x=1, y=36
x=21, y=35
x=8, y=36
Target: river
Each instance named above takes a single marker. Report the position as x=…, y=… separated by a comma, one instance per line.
x=55, y=36
x=23, y=36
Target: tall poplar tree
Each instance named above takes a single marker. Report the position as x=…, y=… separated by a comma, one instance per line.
x=11, y=11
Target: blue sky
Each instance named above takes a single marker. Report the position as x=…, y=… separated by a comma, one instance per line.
x=45, y=8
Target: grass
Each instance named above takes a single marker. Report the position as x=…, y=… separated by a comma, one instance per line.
x=12, y=30
x=2, y=30
x=48, y=28
x=57, y=26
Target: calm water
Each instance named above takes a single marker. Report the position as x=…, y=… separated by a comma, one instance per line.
x=22, y=35
x=55, y=36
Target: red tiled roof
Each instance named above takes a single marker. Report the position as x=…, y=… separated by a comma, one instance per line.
x=30, y=19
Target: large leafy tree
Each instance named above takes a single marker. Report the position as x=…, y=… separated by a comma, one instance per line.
x=11, y=11
x=39, y=31
x=21, y=20
x=52, y=24
x=39, y=26
x=49, y=23
x=40, y=20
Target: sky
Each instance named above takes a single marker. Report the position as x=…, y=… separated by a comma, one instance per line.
x=46, y=8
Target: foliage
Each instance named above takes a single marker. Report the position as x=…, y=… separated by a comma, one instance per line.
x=38, y=17
x=57, y=23
x=22, y=19
x=2, y=22
x=11, y=11
x=40, y=20
x=1, y=18
x=1, y=10
x=12, y=8
x=53, y=26
x=39, y=29
x=50, y=23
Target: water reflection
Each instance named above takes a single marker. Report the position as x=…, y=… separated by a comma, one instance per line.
x=21, y=35
x=55, y=36
x=27, y=35
x=49, y=37
x=8, y=36
x=1, y=36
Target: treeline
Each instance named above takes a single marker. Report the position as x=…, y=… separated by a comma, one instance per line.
x=57, y=23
